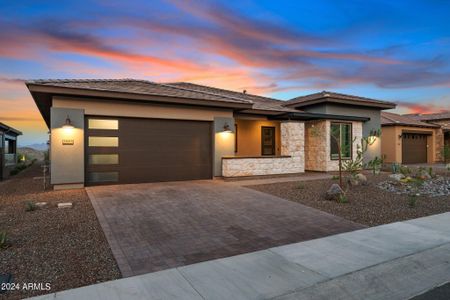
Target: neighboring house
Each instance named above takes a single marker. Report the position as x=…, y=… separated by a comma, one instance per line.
x=8, y=149
x=443, y=134
x=131, y=131
x=408, y=140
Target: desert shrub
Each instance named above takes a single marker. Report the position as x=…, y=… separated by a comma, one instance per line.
x=412, y=201
x=446, y=153
x=18, y=168
x=3, y=240
x=343, y=198
x=335, y=177
x=301, y=186
x=30, y=206
x=405, y=170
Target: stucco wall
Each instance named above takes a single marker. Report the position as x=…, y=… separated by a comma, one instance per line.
x=223, y=142
x=143, y=110
x=292, y=145
x=67, y=161
x=392, y=143
x=249, y=137
x=318, y=145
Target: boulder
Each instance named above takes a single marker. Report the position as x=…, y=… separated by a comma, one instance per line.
x=361, y=178
x=334, y=192
x=396, y=177
x=65, y=205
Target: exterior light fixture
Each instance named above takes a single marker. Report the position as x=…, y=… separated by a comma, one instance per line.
x=226, y=128
x=68, y=124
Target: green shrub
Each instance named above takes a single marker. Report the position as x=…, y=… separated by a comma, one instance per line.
x=412, y=201
x=18, y=168
x=301, y=186
x=343, y=198
x=405, y=170
x=3, y=240
x=30, y=206
x=446, y=153
x=335, y=177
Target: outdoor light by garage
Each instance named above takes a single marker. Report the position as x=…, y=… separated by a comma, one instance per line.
x=68, y=132
x=226, y=128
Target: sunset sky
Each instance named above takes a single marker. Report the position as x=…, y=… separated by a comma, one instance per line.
x=389, y=50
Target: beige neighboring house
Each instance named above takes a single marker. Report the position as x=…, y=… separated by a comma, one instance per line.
x=132, y=131
x=407, y=139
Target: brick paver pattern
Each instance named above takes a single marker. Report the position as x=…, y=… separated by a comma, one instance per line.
x=156, y=226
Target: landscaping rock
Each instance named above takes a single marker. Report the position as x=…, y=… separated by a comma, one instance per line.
x=41, y=204
x=396, y=177
x=65, y=205
x=434, y=187
x=361, y=178
x=334, y=192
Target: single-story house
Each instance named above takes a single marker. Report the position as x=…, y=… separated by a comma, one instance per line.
x=408, y=140
x=443, y=135
x=8, y=149
x=132, y=131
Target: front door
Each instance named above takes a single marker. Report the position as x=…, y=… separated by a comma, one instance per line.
x=268, y=140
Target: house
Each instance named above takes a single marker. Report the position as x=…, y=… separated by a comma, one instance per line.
x=132, y=131
x=8, y=149
x=409, y=140
x=443, y=135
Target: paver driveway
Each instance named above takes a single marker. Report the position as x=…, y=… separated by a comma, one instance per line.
x=155, y=226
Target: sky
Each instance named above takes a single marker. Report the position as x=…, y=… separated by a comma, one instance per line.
x=389, y=50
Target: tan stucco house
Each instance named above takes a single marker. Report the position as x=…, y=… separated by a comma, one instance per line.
x=407, y=139
x=131, y=131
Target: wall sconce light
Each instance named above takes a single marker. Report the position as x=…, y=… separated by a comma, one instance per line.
x=68, y=124
x=226, y=128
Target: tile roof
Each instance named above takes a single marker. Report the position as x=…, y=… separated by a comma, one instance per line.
x=259, y=102
x=324, y=95
x=388, y=118
x=430, y=117
x=141, y=87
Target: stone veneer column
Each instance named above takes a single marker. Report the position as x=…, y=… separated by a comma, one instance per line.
x=293, y=143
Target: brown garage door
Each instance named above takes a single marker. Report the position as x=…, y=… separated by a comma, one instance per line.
x=135, y=150
x=414, y=148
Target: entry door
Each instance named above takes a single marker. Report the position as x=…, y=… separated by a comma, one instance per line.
x=414, y=148
x=268, y=140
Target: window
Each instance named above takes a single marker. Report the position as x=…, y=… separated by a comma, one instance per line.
x=341, y=134
x=268, y=140
x=103, y=159
x=103, y=141
x=103, y=176
x=103, y=124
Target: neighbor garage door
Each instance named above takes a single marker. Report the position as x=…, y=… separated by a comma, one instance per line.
x=414, y=148
x=135, y=150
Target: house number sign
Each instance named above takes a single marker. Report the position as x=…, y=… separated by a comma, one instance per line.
x=67, y=142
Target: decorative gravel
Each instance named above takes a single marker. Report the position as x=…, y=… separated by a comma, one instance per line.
x=368, y=205
x=435, y=187
x=63, y=247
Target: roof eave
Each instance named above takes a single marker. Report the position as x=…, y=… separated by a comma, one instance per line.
x=315, y=116
x=385, y=105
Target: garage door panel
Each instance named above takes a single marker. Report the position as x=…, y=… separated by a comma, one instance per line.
x=152, y=150
x=414, y=148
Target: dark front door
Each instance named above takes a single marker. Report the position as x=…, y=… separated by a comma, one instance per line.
x=268, y=140
x=414, y=148
x=137, y=150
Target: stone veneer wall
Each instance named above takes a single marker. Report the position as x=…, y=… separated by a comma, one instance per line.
x=318, y=146
x=292, y=150
x=439, y=139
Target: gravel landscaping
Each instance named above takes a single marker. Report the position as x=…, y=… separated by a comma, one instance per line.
x=367, y=204
x=64, y=247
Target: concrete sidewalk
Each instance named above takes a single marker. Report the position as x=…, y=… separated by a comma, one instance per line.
x=394, y=261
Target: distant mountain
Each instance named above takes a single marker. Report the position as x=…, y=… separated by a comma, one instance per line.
x=31, y=153
x=40, y=147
